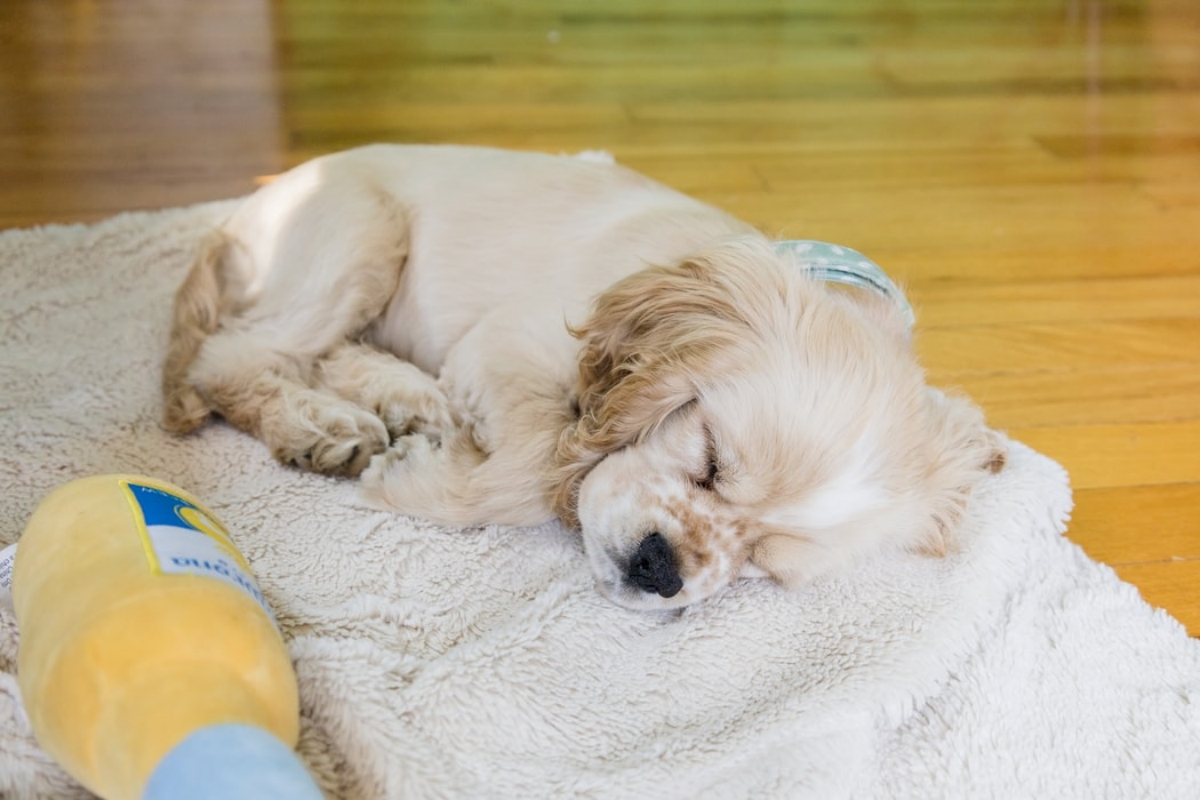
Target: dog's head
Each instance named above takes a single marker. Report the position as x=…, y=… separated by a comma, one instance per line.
x=738, y=418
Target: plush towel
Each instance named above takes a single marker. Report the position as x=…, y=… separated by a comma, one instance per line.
x=482, y=664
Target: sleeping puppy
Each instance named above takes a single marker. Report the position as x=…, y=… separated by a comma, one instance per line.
x=501, y=337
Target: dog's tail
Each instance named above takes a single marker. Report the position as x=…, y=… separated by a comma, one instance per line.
x=197, y=314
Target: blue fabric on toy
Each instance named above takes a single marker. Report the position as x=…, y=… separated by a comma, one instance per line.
x=231, y=762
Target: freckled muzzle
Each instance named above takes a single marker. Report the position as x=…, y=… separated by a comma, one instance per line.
x=653, y=569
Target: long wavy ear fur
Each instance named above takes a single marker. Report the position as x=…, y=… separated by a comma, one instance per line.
x=650, y=339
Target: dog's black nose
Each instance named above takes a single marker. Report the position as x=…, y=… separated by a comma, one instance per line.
x=652, y=568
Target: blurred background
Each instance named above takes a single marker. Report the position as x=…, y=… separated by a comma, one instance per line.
x=1029, y=169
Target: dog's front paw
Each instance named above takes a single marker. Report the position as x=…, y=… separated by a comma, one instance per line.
x=387, y=478
x=331, y=437
x=426, y=415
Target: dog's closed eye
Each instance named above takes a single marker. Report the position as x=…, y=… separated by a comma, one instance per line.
x=711, y=472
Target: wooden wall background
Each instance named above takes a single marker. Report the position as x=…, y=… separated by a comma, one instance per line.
x=1030, y=168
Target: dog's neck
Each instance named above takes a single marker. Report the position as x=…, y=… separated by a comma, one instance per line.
x=837, y=264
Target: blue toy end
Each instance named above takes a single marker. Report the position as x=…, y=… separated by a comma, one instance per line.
x=231, y=762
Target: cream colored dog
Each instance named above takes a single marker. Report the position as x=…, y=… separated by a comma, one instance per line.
x=499, y=337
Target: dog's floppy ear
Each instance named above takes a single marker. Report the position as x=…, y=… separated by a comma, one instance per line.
x=649, y=343
x=961, y=450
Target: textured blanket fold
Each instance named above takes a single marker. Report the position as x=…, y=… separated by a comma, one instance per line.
x=482, y=664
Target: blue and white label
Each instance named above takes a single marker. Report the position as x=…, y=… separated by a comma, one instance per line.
x=182, y=538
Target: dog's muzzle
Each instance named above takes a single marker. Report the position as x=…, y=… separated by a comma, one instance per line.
x=652, y=568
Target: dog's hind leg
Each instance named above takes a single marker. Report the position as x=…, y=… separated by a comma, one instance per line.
x=303, y=273
x=273, y=398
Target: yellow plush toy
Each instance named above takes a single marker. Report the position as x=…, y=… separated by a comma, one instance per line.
x=149, y=663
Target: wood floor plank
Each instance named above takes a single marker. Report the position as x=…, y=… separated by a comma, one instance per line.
x=950, y=305
x=1036, y=347
x=1138, y=524
x=1098, y=395
x=1120, y=454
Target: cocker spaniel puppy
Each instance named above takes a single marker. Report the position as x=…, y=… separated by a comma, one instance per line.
x=501, y=337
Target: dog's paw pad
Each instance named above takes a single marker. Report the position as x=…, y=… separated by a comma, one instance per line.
x=403, y=420
x=334, y=440
x=348, y=456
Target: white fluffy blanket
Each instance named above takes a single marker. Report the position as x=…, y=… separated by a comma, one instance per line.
x=481, y=663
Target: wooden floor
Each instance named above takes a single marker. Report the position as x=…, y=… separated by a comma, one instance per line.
x=1031, y=168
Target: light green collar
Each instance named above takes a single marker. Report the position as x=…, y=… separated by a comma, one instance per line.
x=837, y=264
